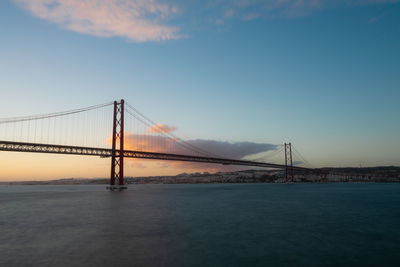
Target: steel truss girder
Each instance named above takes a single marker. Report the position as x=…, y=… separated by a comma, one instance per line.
x=105, y=152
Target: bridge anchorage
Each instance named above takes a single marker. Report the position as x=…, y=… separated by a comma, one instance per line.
x=44, y=134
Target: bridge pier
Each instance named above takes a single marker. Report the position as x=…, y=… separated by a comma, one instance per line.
x=117, y=187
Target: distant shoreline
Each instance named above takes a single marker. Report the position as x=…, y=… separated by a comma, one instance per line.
x=335, y=175
x=92, y=184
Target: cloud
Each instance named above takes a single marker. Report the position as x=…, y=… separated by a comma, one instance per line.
x=246, y=10
x=250, y=16
x=159, y=128
x=145, y=20
x=233, y=150
x=156, y=143
x=135, y=20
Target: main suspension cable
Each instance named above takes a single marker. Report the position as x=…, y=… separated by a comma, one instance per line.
x=52, y=115
x=151, y=123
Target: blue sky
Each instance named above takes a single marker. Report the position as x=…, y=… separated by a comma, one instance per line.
x=323, y=76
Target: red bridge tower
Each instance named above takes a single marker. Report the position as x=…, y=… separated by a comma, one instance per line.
x=288, y=163
x=117, y=157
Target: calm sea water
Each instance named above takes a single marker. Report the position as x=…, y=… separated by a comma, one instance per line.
x=201, y=225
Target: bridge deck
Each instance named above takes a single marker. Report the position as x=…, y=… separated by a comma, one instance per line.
x=105, y=152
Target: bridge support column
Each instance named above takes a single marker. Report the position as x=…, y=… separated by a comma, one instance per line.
x=288, y=163
x=117, y=158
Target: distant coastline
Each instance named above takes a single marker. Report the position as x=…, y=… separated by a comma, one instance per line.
x=371, y=174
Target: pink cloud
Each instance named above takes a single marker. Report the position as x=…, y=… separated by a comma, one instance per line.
x=161, y=128
x=136, y=20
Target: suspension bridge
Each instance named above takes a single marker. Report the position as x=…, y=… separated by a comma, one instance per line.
x=117, y=130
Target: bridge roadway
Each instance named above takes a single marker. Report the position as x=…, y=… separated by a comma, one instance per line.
x=106, y=152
